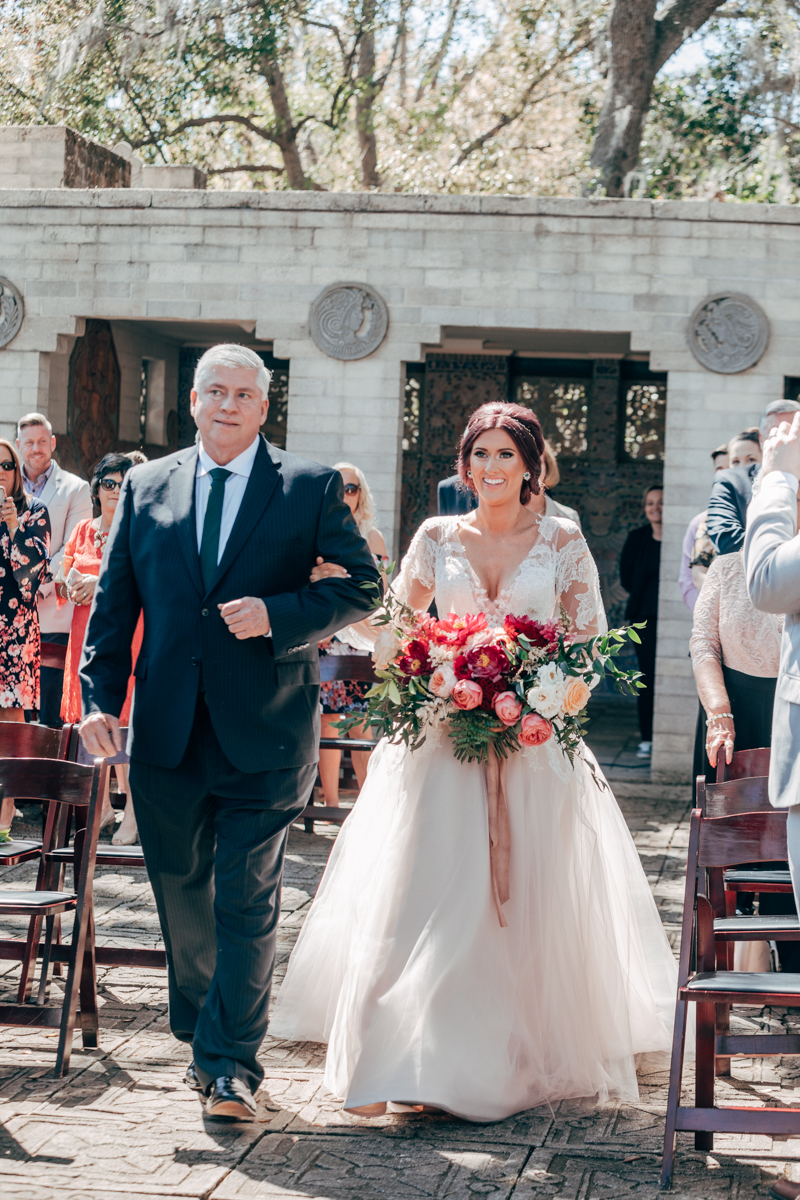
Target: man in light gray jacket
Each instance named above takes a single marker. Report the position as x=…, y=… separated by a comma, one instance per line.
x=772, y=564
x=68, y=501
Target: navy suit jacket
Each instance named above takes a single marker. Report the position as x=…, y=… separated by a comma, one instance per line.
x=731, y=493
x=454, y=498
x=262, y=693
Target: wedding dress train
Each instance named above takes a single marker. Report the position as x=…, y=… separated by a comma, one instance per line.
x=402, y=966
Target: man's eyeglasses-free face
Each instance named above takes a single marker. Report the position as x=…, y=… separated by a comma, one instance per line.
x=352, y=489
x=8, y=466
x=109, y=485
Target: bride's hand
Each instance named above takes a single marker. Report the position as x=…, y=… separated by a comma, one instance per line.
x=326, y=570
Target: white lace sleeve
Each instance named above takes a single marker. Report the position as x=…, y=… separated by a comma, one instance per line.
x=578, y=584
x=419, y=564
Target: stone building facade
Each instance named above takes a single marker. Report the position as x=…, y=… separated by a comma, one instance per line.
x=576, y=306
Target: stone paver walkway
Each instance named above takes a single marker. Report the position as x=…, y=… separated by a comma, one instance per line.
x=123, y=1125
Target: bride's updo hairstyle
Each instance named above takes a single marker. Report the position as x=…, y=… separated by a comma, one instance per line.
x=522, y=426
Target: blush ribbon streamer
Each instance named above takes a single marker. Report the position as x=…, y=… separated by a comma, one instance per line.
x=499, y=831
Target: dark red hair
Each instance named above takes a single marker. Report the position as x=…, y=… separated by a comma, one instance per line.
x=522, y=426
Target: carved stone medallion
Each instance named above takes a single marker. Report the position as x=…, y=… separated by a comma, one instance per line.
x=12, y=310
x=728, y=333
x=348, y=320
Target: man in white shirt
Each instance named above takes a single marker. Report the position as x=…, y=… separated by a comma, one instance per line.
x=68, y=501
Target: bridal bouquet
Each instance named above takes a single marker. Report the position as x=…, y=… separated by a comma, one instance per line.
x=517, y=685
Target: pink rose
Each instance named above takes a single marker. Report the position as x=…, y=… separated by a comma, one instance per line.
x=442, y=681
x=467, y=694
x=535, y=730
x=508, y=707
x=576, y=696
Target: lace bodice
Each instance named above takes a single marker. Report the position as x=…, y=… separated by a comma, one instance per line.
x=559, y=569
x=728, y=628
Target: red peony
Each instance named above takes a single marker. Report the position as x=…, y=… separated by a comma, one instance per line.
x=491, y=688
x=484, y=662
x=415, y=660
x=453, y=630
x=538, y=633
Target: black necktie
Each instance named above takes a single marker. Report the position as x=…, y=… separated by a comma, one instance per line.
x=209, y=544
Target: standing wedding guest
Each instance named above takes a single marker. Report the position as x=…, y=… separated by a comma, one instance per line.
x=341, y=699
x=76, y=583
x=639, y=566
x=689, y=589
x=24, y=547
x=66, y=498
x=215, y=543
x=453, y=499
x=543, y=502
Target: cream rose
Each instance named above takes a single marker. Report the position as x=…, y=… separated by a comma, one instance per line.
x=576, y=696
x=442, y=682
x=385, y=650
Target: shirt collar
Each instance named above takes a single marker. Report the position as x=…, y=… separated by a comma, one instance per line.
x=241, y=465
x=43, y=478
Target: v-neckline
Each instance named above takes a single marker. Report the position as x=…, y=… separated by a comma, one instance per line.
x=507, y=583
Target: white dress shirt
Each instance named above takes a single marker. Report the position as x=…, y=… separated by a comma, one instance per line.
x=240, y=468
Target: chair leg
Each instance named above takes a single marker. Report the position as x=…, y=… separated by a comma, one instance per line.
x=88, y=991
x=723, y=1023
x=704, y=1070
x=674, y=1095
x=29, y=960
x=44, y=977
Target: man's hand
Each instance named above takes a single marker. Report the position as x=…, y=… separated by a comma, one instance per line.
x=782, y=448
x=101, y=735
x=246, y=618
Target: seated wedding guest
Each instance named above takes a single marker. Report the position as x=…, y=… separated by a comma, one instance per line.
x=639, y=567
x=341, y=699
x=696, y=533
x=735, y=655
x=76, y=582
x=24, y=566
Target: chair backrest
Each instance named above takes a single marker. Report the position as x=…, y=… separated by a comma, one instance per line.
x=744, y=764
x=20, y=740
x=78, y=753
x=746, y=837
x=53, y=655
x=733, y=797
x=348, y=667
x=47, y=780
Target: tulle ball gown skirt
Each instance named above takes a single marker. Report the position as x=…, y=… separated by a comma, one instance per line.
x=403, y=968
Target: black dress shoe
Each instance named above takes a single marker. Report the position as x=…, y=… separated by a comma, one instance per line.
x=230, y=1099
x=192, y=1081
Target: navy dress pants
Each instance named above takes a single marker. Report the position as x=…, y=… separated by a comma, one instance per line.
x=214, y=840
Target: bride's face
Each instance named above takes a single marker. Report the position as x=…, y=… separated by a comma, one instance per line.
x=497, y=467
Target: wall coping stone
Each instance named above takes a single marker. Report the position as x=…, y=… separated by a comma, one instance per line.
x=358, y=202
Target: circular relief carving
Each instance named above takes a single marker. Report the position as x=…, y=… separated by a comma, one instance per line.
x=12, y=310
x=349, y=320
x=728, y=333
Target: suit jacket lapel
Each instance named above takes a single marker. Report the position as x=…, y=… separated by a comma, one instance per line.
x=51, y=486
x=257, y=495
x=181, y=491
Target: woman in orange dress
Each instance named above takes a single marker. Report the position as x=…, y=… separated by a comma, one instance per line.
x=77, y=580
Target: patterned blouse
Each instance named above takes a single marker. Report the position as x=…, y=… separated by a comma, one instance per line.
x=24, y=566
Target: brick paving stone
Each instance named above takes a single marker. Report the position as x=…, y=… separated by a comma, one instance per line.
x=123, y=1125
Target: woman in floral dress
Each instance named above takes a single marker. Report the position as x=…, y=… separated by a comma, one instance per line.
x=24, y=554
x=80, y=567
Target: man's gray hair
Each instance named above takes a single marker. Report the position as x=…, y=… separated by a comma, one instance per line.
x=33, y=419
x=776, y=406
x=229, y=354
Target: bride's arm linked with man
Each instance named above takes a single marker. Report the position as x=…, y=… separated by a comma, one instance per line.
x=215, y=544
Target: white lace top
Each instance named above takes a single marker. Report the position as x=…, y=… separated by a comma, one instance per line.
x=728, y=628
x=559, y=569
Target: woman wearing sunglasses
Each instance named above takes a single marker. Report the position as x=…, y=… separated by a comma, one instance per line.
x=24, y=551
x=76, y=581
x=341, y=699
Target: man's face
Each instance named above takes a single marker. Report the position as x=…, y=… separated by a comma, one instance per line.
x=773, y=421
x=36, y=445
x=229, y=410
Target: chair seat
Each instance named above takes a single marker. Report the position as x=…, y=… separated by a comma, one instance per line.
x=16, y=847
x=751, y=983
x=751, y=879
x=40, y=903
x=105, y=854
x=760, y=926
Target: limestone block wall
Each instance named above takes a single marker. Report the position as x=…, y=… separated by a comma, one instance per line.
x=52, y=156
x=443, y=264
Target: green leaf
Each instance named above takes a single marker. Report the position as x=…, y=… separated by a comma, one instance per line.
x=633, y=635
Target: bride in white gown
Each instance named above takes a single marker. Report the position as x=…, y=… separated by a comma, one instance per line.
x=402, y=966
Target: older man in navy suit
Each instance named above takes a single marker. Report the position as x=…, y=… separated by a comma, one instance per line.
x=215, y=544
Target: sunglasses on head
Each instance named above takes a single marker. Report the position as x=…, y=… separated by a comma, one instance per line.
x=109, y=485
x=351, y=489
x=8, y=466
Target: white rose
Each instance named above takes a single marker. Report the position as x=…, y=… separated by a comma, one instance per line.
x=385, y=649
x=549, y=676
x=545, y=701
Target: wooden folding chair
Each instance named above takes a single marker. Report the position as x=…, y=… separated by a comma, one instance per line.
x=745, y=764
x=51, y=654
x=20, y=740
x=715, y=843
x=345, y=668
x=58, y=784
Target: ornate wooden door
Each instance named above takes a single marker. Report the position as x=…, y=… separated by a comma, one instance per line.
x=93, y=401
